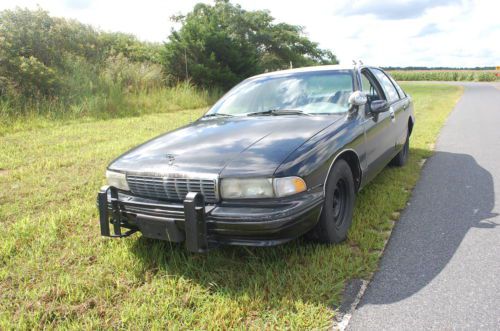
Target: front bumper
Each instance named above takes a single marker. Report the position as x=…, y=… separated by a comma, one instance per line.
x=202, y=226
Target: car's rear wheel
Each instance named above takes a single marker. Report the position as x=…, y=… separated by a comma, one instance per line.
x=336, y=215
x=402, y=157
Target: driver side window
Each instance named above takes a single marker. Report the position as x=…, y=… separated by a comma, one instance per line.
x=369, y=88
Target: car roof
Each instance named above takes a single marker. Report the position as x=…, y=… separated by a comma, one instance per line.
x=313, y=69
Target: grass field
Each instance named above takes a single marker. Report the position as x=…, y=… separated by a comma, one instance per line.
x=57, y=272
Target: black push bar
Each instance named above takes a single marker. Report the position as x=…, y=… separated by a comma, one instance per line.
x=112, y=211
x=196, y=225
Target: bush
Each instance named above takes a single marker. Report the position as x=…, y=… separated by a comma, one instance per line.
x=50, y=65
x=40, y=56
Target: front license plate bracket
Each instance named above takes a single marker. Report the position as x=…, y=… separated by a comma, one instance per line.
x=159, y=228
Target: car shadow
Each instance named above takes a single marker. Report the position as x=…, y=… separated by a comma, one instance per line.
x=317, y=273
x=454, y=195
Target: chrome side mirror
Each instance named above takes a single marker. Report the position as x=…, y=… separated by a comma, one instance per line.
x=357, y=98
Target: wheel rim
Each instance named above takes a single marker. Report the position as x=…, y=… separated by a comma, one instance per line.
x=339, y=202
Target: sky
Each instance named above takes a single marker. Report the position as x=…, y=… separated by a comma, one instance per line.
x=452, y=33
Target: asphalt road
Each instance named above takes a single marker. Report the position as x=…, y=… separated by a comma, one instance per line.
x=441, y=267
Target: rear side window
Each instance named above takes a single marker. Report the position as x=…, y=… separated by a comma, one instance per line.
x=390, y=91
x=402, y=93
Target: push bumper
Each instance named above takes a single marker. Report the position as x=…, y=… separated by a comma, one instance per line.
x=203, y=226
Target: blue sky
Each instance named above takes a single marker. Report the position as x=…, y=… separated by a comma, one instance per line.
x=380, y=32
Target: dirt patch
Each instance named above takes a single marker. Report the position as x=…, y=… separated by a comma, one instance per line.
x=3, y=172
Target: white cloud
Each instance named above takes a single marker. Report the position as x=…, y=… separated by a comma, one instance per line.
x=393, y=9
x=383, y=32
x=78, y=4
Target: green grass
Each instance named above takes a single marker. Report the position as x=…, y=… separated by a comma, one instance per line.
x=56, y=271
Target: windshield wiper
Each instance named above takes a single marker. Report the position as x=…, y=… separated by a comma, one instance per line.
x=218, y=115
x=279, y=112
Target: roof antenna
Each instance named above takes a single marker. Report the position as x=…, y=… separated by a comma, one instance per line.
x=360, y=62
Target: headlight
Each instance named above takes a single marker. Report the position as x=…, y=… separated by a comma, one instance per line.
x=289, y=185
x=117, y=179
x=246, y=188
x=254, y=188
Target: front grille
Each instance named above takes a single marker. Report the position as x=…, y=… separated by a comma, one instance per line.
x=172, y=211
x=172, y=188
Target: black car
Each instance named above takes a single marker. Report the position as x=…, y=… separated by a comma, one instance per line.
x=280, y=155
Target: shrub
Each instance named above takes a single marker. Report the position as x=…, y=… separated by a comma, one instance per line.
x=44, y=56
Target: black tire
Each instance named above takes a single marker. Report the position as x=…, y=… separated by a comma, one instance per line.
x=402, y=157
x=336, y=215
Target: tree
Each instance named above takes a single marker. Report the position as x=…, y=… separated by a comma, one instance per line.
x=221, y=44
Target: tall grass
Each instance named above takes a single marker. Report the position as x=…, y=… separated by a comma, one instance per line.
x=130, y=75
x=117, y=88
x=478, y=76
x=114, y=102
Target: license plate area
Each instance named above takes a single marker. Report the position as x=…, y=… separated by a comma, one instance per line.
x=159, y=228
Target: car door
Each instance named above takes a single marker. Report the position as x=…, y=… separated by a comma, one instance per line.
x=402, y=116
x=397, y=106
x=379, y=144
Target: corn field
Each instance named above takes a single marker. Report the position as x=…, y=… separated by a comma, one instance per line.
x=446, y=75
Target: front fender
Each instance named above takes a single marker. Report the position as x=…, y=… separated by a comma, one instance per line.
x=312, y=160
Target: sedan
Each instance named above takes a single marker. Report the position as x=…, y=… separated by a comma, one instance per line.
x=279, y=156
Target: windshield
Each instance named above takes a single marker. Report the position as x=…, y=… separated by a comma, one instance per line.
x=323, y=92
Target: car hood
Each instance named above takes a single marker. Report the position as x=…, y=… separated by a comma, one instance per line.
x=238, y=146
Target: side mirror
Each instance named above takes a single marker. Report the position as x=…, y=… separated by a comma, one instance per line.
x=379, y=106
x=357, y=98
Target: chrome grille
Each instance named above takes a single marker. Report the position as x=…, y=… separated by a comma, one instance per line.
x=172, y=188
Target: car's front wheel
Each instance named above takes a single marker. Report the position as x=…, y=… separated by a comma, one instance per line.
x=336, y=215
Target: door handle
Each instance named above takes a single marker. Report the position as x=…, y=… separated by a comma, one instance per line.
x=391, y=112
